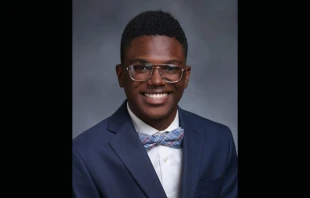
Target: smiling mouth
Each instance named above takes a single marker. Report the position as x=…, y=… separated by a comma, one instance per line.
x=156, y=96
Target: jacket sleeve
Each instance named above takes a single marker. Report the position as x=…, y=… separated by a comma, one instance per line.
x=229, y=187
x=82, y=183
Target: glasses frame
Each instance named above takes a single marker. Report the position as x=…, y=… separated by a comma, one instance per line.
x=156, y=66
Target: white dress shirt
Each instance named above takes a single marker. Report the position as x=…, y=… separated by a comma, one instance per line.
x=167, y=161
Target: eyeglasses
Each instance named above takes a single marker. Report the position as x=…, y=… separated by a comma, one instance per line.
x=143, y=72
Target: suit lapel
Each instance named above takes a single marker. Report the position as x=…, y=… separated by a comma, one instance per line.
x=132, y=153
x=192, y=149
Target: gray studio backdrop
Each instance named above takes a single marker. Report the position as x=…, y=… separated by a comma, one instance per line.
x=211, y=28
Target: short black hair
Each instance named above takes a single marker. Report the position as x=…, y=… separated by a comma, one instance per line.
x=152, y=23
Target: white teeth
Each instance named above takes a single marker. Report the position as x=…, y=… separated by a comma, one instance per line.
x=156, y=96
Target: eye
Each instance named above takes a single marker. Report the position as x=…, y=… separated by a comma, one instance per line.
x=142, y=68
x=171, y=68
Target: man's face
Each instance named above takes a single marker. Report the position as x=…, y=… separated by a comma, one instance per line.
x=153, y=50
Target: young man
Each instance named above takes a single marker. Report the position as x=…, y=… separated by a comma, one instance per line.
x=150, y=147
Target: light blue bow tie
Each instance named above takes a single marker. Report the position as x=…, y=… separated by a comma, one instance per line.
x=171, y=139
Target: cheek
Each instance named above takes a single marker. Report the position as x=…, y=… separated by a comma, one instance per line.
x=132, y=88
x=180, y=86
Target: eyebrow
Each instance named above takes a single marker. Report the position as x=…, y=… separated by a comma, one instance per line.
x=173, y=61
x=139, y=60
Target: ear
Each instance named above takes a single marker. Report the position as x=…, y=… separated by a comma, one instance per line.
x=120, y=75
x=187, y=74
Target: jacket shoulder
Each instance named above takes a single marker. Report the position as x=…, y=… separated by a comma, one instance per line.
x=207, y=125
x=91, y=136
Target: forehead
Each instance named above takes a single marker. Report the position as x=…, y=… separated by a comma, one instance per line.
x=155, y=49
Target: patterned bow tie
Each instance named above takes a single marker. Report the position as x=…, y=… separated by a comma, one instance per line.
x=171, y=139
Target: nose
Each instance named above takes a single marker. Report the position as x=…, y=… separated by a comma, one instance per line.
x=156, y=78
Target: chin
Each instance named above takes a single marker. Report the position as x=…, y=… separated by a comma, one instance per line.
x=156, y=113
x=154, y=116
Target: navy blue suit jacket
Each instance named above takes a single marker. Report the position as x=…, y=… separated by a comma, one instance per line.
x=109, y=160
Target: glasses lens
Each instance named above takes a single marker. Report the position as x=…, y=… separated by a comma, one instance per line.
x=140, y=72
x=171, y=73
